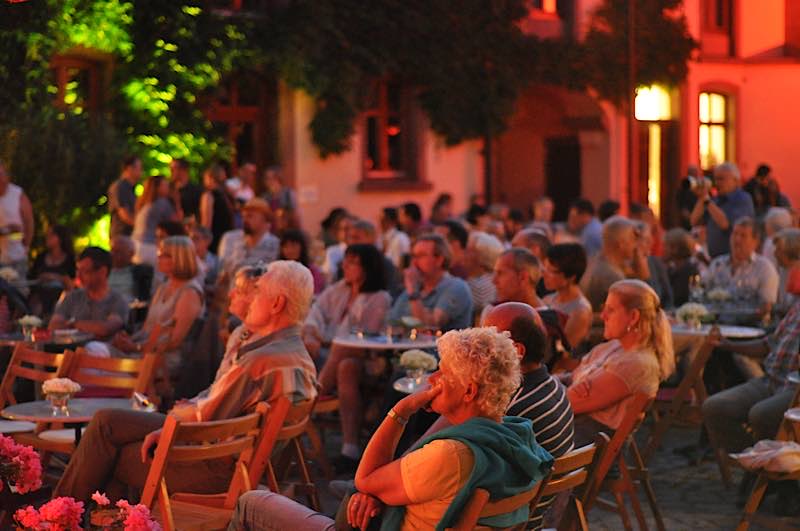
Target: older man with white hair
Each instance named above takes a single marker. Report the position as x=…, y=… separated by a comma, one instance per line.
x=270, y=363
x=619, y=258
x=719, y=213
x=482, y=252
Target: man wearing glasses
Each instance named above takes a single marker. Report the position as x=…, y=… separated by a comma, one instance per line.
x=93, y=307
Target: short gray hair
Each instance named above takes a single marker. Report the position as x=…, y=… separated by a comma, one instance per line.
x=789, y=242
x=487, y=247
x=777, y=218
x=488, y=358
x=729, y=167
x=614, y=227
x=293, y=280
x=524, y=260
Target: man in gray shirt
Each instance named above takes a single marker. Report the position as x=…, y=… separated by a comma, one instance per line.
x=122, y=198
x=93, y=308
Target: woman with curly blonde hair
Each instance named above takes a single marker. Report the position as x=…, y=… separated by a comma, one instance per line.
x=637, y=356
x=428, y=487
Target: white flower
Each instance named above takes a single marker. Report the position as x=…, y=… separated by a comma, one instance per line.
x=417, y=359
x=718, y=295
x=30, y=320
x=9, y=274
x=691, y=311
x=60, y=385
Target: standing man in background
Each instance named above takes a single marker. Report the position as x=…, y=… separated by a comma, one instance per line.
x=122, y=198
x=16, y=224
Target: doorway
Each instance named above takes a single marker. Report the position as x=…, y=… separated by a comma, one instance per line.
x=562, y=172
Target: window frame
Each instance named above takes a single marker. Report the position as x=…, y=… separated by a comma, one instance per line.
x=409, y=176
x=726, y=124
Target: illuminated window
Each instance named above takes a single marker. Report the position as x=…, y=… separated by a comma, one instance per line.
x=388, y=133
x=714, y=131
x=547, y=6
x=653, y=104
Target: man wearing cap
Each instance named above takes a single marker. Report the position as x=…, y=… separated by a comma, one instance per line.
x=251, y=244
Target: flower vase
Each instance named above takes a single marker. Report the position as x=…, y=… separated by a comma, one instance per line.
x=416, y=375
x=59, y=403
x=106, y=519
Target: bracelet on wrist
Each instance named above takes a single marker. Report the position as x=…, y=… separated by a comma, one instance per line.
x=392, y=414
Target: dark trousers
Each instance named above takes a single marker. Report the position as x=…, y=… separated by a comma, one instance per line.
x=108, y=458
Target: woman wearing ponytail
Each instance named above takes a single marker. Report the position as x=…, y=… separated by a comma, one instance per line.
x=635, y=358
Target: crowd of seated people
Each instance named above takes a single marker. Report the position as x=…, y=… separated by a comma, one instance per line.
x=571, y=316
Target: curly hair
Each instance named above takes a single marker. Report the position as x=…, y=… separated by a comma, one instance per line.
x=488, y=358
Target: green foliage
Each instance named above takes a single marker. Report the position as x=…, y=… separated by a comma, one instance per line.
x=662, y=47
x=65, y=163
x=464, y=56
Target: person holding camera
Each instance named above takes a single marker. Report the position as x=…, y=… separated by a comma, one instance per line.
x=720, y=212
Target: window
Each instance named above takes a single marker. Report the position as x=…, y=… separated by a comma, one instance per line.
x=389, y=139
x=718, y=15
x=80, y=81
x=545, y=6
x=714, y=133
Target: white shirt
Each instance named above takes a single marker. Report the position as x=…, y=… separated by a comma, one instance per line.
x=11, y=247
x=396, y=244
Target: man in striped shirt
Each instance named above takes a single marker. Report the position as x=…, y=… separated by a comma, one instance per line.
x=541, y=397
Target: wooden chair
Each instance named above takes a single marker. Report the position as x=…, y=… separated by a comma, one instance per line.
x=571, y=472
x=323, y=405
x=122, y=376
x=292, y=453
x=789, y=430
x=630, y=477
x=276, y=415
x=32, y=365
x=199, y=441
x=682, y=407
x=479, y=507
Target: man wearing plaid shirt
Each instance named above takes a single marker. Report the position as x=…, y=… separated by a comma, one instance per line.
x=759, y=403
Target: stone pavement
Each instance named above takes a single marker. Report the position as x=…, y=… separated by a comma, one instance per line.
x=690, y=497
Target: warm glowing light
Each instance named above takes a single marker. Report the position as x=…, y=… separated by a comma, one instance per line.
x=653, y=104
x=654, y=170
x=713, y=131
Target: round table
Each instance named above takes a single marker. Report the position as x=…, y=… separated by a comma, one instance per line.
x=57, y=340
x=382, y=342
x=727, y=331
x=79, y=412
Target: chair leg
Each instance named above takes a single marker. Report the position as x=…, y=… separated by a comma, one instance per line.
x=630, y=489
x=580, y=515
x=721, y=457
x=311, y=490
x=623, y=512
x=643, y=476
x=318, y=450
x=753, y=502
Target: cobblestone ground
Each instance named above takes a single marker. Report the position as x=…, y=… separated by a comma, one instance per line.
x=690, y=497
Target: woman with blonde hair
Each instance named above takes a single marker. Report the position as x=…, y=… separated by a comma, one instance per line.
x=174, y=307
x=637, y=356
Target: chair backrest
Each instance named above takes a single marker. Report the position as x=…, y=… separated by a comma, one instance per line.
x=34, y=365
x=479, y=507
x=122, y=374
x=268, y=437
x=633, y=418
x=296, y=420
x=199, y=441
x=572, y=470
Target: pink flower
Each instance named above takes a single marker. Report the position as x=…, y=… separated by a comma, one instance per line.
x=100, y=498
x=63, y=514
x=28, y=517
x=139, y=519
x=20, y=465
